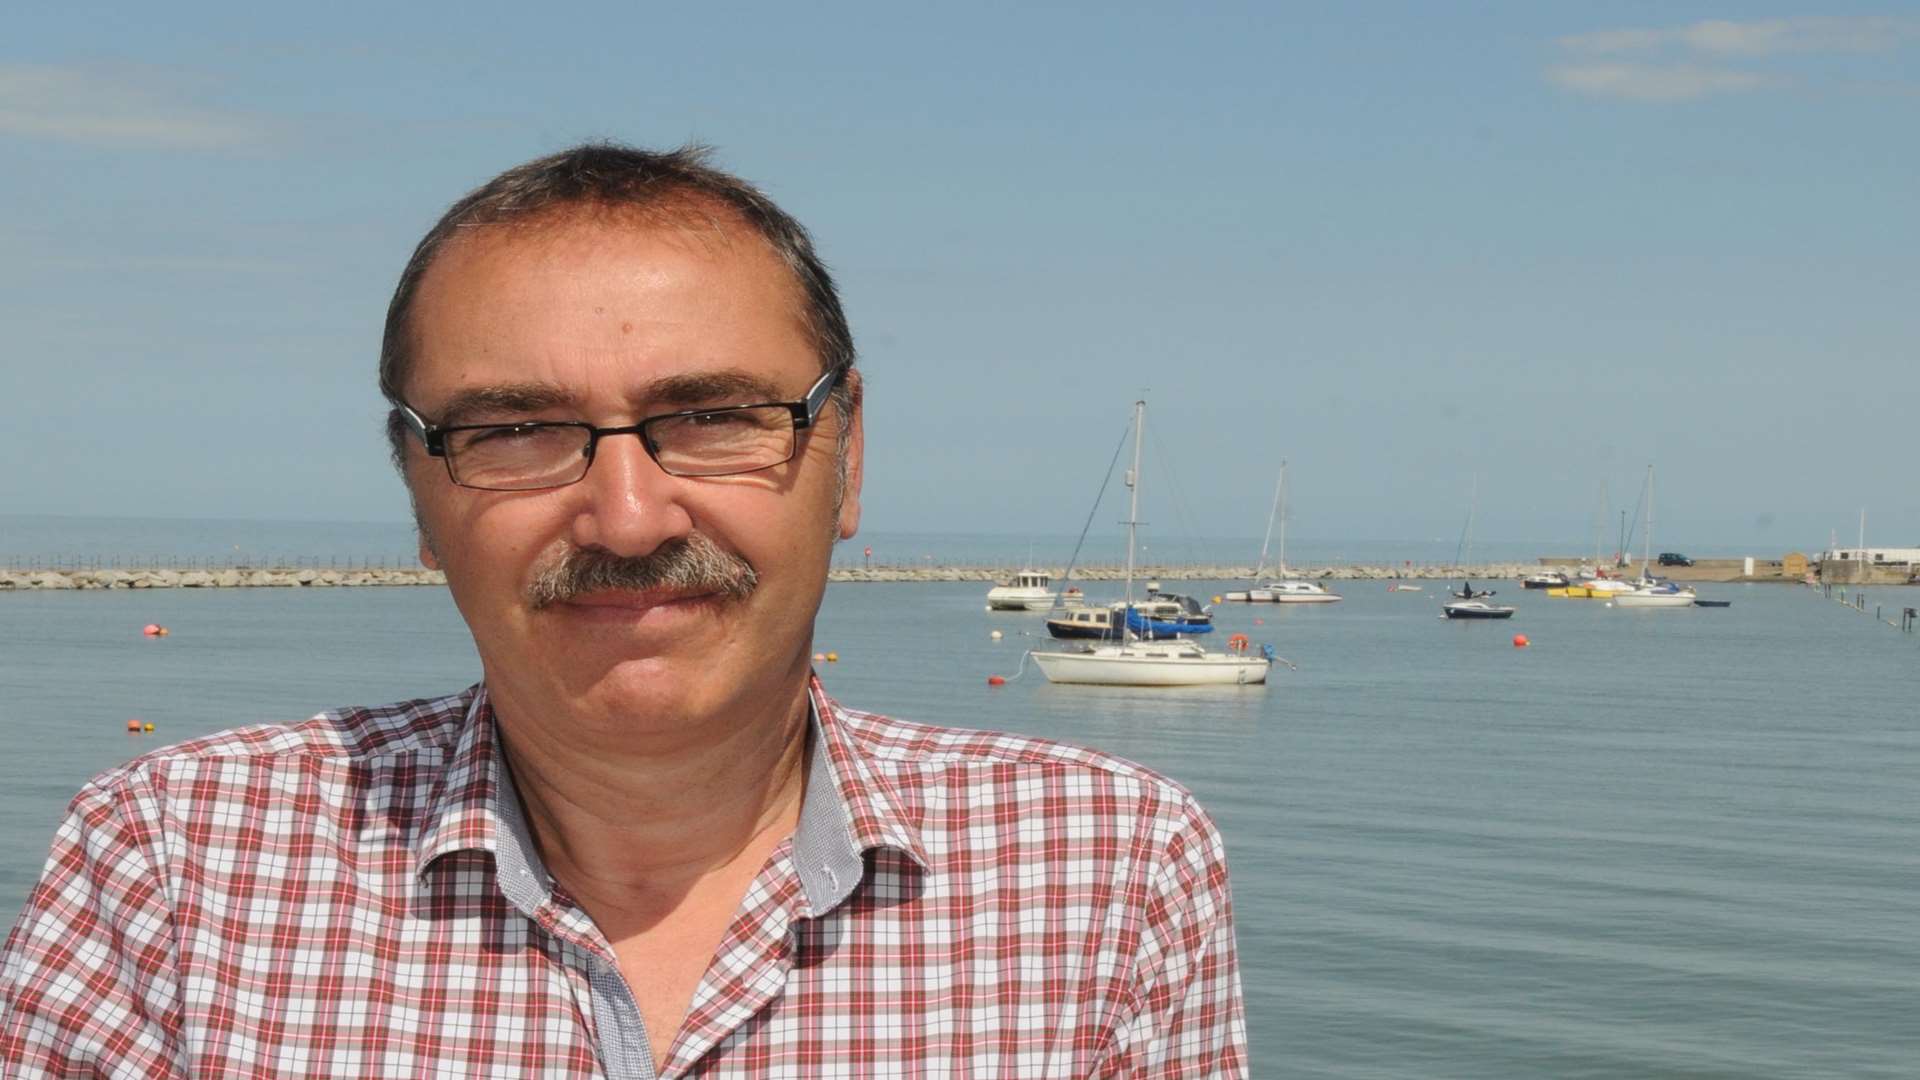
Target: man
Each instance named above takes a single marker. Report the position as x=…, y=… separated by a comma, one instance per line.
x=646, y=843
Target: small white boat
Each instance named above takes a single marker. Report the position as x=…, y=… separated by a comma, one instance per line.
x=1546, y=579
x=1662, y=595
x=1030, y=590
x=1288, y=590
x=1648, y=592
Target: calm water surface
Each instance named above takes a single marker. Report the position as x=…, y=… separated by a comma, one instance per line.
x=1653, y=843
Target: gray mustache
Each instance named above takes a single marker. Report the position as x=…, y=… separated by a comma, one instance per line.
x=694, y=564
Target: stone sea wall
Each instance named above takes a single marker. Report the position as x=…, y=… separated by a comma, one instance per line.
x=312, y=578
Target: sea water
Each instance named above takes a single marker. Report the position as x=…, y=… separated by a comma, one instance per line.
x=1651, y=843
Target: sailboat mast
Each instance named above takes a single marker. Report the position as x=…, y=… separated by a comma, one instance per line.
x=1280, y=502
x=1133, y=486
x=1646, y=546
x=1278, y=486
x=1473, y=503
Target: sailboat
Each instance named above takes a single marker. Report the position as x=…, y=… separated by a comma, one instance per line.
x=1287, y=590
x=1139, y=659
x=1468, y=603
x=1649, y=593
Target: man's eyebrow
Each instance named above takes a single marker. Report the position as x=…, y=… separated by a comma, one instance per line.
x=507, y=398
x=703, y=387
x=690, y=389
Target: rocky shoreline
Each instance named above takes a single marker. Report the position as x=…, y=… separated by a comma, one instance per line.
x=313, y=578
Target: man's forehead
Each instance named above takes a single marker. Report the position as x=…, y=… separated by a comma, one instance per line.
x=501, y=275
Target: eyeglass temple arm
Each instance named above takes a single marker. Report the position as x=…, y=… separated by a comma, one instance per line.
x=432, y=438
x=816, y=399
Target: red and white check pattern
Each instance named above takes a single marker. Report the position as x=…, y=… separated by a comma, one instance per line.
x=320, y=900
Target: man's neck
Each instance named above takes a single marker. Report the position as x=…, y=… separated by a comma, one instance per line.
x=638, y=827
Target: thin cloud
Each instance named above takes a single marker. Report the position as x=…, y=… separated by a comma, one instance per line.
x=1761, y=37
x=1654, y=82
x=1685, y=63
x=98, y=107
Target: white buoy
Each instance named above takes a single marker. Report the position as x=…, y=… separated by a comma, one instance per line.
x=995, y=635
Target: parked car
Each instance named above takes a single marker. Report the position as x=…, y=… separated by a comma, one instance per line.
x=1674, y=558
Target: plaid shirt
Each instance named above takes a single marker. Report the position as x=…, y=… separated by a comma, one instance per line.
x=334, y=898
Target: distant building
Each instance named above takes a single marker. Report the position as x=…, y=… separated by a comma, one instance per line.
x=1907, y=556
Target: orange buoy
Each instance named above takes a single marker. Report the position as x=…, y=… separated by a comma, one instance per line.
x=133, y=725
x=164, y=631
x=996, y=680
x=1520, y=641
x=151, y=629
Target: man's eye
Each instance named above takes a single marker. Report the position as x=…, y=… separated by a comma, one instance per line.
x=731, y=418
x=502, y=435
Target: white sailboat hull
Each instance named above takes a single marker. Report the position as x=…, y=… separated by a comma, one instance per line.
x=1291, y=592
x=1682, y=599
x=1151, y=664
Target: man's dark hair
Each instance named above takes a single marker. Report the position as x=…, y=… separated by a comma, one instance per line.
x=609, y=176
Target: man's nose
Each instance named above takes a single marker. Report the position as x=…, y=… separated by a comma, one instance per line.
x=627, y=504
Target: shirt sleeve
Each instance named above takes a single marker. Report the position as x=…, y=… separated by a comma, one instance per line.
x=88, y=983
x=1188, y=1020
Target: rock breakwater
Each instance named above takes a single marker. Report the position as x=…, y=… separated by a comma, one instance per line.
x=285, y=578
x=215, y=579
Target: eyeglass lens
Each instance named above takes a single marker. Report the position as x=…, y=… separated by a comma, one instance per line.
x=528, y=456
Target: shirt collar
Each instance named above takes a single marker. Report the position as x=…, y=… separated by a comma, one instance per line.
x=848, y=810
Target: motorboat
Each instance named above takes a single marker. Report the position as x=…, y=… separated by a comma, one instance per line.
x=1476, y=609
x=1546, y=579
x=1163, y=615
x=1029, y=590
x=1140, y=656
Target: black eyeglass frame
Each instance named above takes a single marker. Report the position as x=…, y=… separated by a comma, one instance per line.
x=805, y=413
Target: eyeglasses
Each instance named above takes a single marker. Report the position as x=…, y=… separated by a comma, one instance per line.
x=535, y=454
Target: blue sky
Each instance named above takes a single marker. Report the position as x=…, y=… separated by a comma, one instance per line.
x=1401, y=245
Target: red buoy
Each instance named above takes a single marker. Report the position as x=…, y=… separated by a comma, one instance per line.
x=133, y=725
x=996, y=680
x=1520, y=641
x=151, y=629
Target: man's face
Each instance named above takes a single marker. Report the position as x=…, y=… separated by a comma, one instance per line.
x=613, y=321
